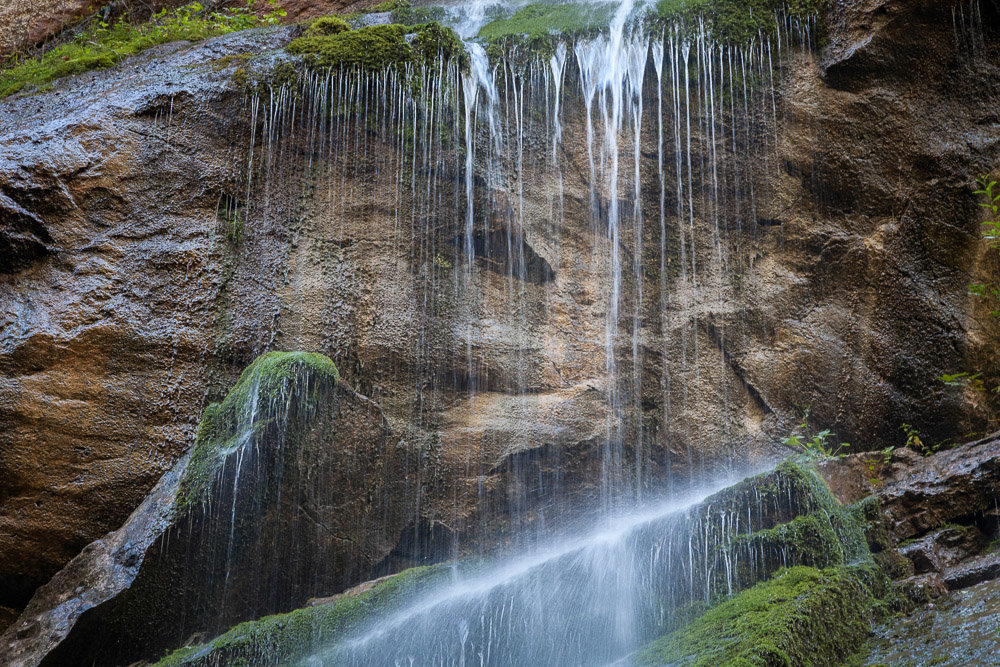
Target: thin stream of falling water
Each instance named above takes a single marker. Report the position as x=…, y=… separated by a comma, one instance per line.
x=604, y=73
x=493, y=109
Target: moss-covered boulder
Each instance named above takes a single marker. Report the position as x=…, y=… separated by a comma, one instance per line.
x=326, y=45
x=295, y=488
x=800, y=585
x=801, y=616
x=262, y=393
x=285, y=638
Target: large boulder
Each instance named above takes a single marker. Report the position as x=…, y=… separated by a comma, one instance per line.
x=294, y=488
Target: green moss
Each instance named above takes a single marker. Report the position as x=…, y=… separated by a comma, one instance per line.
x=326, y=26
x=805, y=540
x=404, y=13
x=734, y=21
x=797, y=522
x=378, y=47
x=245, y=410
x=283, y=638
x=801, y=616
x=776, y=496
x=868, y=513
x=538, y=28
x=102, y=45
x=543, y=19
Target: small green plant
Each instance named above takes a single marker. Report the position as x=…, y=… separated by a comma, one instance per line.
x=814, y=446
x=102, y=44
x=972, y=381
x=991, y=232
x=992, y=226
x=235, y=224
x=878, y=466
x=442, y=262
x=914, y=442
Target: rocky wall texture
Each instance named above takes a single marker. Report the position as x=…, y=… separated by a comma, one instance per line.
x=128, y=302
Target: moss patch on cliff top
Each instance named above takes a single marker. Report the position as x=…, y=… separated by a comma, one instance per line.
x=377, y=47
x=801, y=616
x=260, y=392
x=537, y=27
x=283, y=638
x=734, y=21
x=102, y=45
x=405, y=13
x=539, y=19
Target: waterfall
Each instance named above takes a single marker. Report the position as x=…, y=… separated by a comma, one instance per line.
x=558, y=231
x=584, y=599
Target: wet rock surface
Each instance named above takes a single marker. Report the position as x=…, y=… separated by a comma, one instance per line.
x=125, y=307
x=934, y=530
x=295, y=506
x=958, y=630
x=972, y=572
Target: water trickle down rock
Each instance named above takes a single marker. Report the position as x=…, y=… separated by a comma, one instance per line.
x=284, y=496
x=594, y=596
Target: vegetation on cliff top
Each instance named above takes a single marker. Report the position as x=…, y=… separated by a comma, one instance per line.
x=226, y=426
x=735, y=21
x=103, y=45
x=540, y=19
x=328, y=44
x=536, y=27
x=404, y=13
x=283, y=638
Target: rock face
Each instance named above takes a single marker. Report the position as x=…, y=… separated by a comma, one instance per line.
x=932, y=517
x=932, y=523
x=142, y=272
x=286, y=495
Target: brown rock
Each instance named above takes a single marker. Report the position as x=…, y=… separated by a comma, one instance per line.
x=949, y=485
x=973, y=572
x=923, y=588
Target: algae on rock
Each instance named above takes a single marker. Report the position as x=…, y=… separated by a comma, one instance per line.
x=257, y=398
x=376, y=47
x=801, y=616
x=284, y=638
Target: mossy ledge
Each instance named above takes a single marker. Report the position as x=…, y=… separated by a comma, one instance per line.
x=811, y=589
x=536, y=28
x=327, y=44
x=285, y=638
x=801, y=616
x=736, y=22
x=258, y=398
